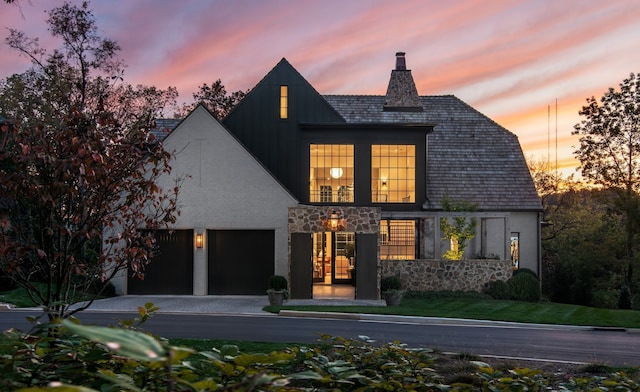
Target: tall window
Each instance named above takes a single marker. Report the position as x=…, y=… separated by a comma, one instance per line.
x=515, y=250
x=397, y=239
x=393, y=173
x=331, y=173
x=284, y=102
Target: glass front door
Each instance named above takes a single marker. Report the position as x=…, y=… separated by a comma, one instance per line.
x=334, y=257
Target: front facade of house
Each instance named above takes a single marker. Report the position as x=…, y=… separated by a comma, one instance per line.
x=365, y=182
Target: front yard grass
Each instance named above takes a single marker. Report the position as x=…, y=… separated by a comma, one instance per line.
x=491, y=309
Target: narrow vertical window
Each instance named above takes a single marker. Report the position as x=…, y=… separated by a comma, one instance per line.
x=515, y=250
x=284, y=102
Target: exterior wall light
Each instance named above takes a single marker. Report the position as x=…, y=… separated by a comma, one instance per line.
x=334, y=221
x=199, y=240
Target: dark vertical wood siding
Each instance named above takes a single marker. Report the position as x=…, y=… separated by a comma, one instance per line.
x=301, y=285
x=171, y=270
x=240, y=261
x=256, y=121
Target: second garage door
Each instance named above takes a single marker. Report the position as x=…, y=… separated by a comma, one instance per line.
x=240, y=261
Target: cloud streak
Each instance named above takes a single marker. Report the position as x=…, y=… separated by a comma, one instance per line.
x=509, y=59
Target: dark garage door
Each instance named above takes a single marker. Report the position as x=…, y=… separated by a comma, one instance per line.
x=170, y=271
x=240, y=261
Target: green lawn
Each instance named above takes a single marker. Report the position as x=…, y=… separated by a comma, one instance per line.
x=456, y=306
x=498, y=310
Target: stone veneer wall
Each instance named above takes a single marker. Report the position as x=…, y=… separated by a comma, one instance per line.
x=309, y=219
x=416, y=275
x=438, y=275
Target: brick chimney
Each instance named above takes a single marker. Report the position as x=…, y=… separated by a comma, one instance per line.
x=402, y=95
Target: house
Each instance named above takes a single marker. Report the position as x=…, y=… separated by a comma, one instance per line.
x=229, y=238
x=351, y=188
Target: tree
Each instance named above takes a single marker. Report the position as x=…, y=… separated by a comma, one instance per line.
x=79, y=167
x=214, y=98
x=555, y=194
x=461, y=231
x=609, y=152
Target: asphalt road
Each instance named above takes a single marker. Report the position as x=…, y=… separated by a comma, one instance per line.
x=570, y=344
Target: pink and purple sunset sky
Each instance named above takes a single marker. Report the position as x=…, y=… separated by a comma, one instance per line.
x=511, y=60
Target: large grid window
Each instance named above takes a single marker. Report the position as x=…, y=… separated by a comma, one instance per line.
x=284, y=102
x=331, y=173
x=393, y=173
x=397, y=239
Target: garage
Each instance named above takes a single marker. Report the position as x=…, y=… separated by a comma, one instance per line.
x=171, y=270
x=240, y=261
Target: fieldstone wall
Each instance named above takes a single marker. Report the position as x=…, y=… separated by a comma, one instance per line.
x=310, y=219
x=438, y=275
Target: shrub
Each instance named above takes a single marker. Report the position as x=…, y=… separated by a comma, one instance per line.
x=278, y=283
x=624, y=299
x=606, y=299
x=524, y=287
x=525, y=271
x=497, y=289
x=390, y=283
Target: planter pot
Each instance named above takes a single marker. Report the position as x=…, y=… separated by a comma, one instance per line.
x=392, y=298
x=276, y=298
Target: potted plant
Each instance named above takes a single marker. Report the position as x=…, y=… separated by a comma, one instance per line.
x=278, y=290
x=391, y=288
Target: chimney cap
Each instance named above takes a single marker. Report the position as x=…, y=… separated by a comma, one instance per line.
x=401, y=64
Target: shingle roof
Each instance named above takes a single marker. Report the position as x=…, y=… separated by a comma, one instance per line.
x=164, y=126
x=469, y=156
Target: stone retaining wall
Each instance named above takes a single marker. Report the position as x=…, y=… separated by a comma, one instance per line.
x=438, y=275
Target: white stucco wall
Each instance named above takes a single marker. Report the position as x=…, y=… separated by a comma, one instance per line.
x=223, y=188
x=493, y=232
x=527, y=225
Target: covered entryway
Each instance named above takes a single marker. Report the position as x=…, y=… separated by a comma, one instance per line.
x=171, y=270
x=240, y=261
x=334, y=252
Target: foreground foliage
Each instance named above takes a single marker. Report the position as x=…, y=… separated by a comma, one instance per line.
x=73, y=357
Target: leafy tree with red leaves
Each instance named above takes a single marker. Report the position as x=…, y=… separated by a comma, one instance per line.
x=78, y=167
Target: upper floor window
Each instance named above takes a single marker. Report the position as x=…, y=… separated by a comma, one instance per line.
x=393, y=173
x=284, y=102
x=331, y=173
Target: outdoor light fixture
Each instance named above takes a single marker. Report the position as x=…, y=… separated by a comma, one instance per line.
x=199, y=240
x=334, y=219
x=336, y=172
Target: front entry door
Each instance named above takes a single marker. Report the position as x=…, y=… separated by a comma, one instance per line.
x=334, y=257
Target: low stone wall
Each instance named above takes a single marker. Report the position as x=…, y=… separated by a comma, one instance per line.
x=439, y=275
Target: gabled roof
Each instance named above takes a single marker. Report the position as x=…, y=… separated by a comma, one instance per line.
x=469, y=156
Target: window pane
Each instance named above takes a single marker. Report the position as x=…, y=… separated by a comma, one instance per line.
x=393, y=173
x=284, y=101
x=331, y=173
x=397, y=239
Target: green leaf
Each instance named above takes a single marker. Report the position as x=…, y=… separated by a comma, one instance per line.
x=229, y=350
x=128, y=343
x=58, y=387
